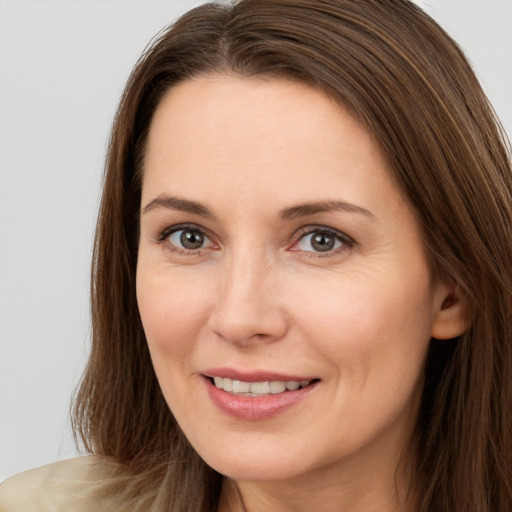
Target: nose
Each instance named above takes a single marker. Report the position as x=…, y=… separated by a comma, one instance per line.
x=247, y=310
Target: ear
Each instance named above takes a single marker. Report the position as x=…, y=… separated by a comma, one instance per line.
x=449, y=319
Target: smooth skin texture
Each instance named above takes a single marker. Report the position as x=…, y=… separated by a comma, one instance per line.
x=341, y=292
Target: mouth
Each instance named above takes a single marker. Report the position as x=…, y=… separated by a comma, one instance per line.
x=259, y=388
x=256, y=396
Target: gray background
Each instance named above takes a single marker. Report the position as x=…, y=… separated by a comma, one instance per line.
x=62, y=68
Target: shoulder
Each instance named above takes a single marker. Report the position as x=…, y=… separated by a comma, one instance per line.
x=52, y=488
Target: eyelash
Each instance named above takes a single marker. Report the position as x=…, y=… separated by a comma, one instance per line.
x=345, y=241
x=169, y=231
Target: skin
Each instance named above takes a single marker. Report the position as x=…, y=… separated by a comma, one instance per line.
x=259, y=296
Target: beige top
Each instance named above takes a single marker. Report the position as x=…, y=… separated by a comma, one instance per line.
x=59, y=487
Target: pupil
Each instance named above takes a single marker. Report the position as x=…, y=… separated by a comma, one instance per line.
x=322, y=242
x=192, y=239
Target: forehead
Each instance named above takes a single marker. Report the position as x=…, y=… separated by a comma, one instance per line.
x=229, y=104
x=246, y=136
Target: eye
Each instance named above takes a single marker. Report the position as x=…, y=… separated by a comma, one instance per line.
x=322, y=240
x=188, y=238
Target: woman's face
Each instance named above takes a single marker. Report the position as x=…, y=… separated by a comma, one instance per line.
x=282, y=281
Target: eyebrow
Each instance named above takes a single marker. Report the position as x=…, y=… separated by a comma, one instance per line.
x=302, y=210
x=292, y=212
x=176, y=203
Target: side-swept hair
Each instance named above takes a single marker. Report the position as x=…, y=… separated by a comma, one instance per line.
x=407, y=81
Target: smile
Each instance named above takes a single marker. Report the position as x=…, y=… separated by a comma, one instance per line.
x=256, y=396
x=255, y=389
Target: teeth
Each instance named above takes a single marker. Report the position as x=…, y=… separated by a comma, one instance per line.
x=277, y=386
x=239, y=387
x=260, y=388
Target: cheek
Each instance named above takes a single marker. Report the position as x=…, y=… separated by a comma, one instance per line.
x=173, y=313
x=369, y=323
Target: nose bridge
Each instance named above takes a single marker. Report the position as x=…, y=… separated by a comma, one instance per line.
x=246, y=309
x=246, y=271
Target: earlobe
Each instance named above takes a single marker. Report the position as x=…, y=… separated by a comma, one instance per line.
x=449, y=317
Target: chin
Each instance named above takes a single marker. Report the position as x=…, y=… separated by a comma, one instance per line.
x=269, y=470
x=256, y=461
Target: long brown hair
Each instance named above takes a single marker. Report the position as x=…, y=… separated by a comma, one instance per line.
x=411, y=86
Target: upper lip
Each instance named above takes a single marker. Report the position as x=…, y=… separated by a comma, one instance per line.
x=254, y=375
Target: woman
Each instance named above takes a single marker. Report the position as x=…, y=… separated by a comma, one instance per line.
x=302, y=275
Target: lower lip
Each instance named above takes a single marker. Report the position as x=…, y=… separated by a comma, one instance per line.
x=256, y=408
